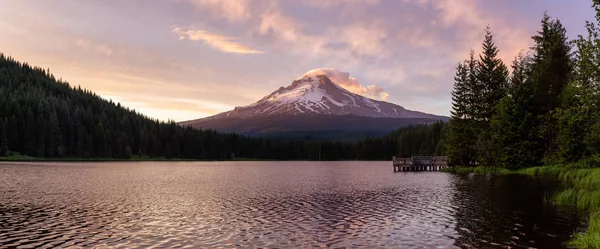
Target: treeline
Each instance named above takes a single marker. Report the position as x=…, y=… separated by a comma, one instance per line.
x=45, y=117
x=546, y=111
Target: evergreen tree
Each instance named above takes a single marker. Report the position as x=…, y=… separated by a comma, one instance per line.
x=550, y=75
x=29, y=132
x=40, y=136
x=552, y=64
x=492, y=77
x=53, y=137
x=579, y=116
x=513, y=139
x=572, y=125
x=460, y=135
x=3, y=139
x=13, y=137
x=475, y=92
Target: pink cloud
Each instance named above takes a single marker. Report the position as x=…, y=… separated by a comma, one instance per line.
x=220, y=42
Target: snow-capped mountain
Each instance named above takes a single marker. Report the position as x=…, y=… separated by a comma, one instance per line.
x=313, y=97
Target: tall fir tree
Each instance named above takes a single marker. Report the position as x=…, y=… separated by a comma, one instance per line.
x=552, y=64
x=492, y=77
x=461, y=137
x=551, y=71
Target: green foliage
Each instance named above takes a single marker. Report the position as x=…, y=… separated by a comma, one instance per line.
x=574, y=123
x=476, y=170
x=479, y=86
x=587, y=82
x=492, y=77
x=461, y=135
x=584, y=193
x=591, y=238
x=513, y=126
x=420, y=140
x=531, y=117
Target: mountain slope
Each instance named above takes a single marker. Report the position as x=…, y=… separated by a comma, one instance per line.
x=313, y=102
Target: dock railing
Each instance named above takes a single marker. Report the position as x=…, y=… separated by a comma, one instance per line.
x=420, y=163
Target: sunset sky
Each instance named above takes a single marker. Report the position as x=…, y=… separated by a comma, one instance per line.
x=187, y=59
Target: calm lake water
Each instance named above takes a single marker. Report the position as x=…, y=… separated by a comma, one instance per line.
x=273, y=204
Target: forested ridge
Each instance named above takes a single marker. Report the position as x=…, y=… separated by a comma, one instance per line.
x=545, y=112
x=45, y=117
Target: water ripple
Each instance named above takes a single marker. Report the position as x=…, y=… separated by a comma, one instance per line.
x=269, y=205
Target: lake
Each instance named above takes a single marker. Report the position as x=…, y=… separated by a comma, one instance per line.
x=273, y=204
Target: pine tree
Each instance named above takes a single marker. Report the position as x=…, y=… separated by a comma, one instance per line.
x=3, y=139
x=13, y=131
x=513, y=139
x=492, y=74
x=53, y=137
x=40, y=136
x=492, y=77
x=552, y=64
x=474, y=91
x=460, y=134
x=550, y=75
x=29, y=132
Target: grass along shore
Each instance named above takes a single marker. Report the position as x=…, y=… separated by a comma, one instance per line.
x=582, y=190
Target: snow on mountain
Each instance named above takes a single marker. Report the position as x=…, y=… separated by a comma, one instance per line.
x=316, y=92
x=315, y=102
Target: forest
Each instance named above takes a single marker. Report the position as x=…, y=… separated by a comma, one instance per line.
x=42, y=117
x=546, y=111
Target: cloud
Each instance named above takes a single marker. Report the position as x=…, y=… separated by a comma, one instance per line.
x=344, y=80
x=469, y=14
x=339, y=3
x=220, y=42
x=364, y=40
x=234, y=11
x=345, y=43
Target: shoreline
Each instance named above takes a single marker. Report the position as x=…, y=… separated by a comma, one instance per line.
x=31, y=159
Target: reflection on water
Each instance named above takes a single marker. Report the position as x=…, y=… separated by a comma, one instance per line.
x=510, y=211
x=272, y=204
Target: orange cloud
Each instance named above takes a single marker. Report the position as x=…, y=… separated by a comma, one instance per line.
x=220, y=42
x=344, y=80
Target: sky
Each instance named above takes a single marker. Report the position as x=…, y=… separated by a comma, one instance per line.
x=187, y=59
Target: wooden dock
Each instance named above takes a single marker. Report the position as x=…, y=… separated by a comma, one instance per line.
x=420, y=163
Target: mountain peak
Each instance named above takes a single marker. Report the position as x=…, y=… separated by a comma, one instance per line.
x=319, y=92
x=315, y=97
x=333, y=74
